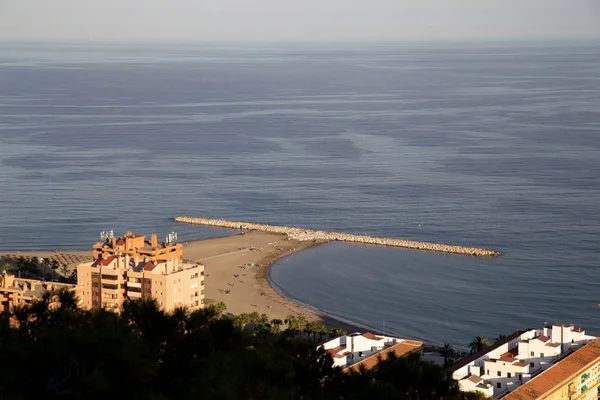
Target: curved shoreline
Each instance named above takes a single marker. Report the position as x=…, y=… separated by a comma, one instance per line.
x=302, y=234
x=330, y=319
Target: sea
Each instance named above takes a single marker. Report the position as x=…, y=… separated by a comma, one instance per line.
x=484, y=144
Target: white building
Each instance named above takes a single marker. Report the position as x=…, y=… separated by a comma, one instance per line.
x=356, y=348
x=504, y=366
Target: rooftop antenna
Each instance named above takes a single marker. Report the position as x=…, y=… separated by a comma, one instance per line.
x=106, y=235
x=171, y=237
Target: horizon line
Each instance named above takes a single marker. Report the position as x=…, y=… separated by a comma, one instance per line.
x=524, y=39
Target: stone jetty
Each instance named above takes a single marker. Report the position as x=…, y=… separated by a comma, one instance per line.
x=311, y=234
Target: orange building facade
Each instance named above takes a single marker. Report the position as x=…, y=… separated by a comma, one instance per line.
x=15, y=290
x=130, y=267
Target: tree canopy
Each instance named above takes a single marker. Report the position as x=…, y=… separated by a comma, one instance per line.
x=54, y=350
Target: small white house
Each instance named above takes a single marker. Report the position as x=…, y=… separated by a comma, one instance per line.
x=354, y=348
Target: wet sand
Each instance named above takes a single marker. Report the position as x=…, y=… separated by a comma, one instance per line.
x=224, y=258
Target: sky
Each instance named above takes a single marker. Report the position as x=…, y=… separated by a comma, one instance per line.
x=293, y=20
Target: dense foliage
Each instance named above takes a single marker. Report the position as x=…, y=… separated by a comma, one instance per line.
x=51, y=349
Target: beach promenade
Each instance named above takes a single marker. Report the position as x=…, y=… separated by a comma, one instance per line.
x=304, y=234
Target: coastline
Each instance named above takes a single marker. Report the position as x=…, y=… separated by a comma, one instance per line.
x=222, y=260
x=227, y=263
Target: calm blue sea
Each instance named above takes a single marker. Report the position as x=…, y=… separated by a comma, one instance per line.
x=491, y=145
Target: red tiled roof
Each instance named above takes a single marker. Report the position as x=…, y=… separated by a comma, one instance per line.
x=120, y=242
x=335, y=352
x=543, y=338
x=400, y=349
x=105, y=262
x=149, y=266
x=371, y=336
x=521, y=364
x=508, y=359
x=475, y=378
x=338, y=348
x=558, y=375
x=577, y=330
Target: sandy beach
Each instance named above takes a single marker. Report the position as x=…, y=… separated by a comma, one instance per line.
x=228, y=263
x=237, y=264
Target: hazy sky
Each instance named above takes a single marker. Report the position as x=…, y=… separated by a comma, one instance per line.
x=213, y=20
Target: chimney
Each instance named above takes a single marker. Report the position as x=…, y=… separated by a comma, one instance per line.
x=153, y=240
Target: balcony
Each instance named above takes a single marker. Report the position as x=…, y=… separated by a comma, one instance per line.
x=134, y=284
x=110, y=286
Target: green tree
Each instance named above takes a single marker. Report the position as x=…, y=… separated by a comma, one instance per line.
x=448, y=353
x=276, y=326
x=322, y=331
x=54, y=265
x=7, y=267
x=336, y=332
x=500, y=338
x=478, y=344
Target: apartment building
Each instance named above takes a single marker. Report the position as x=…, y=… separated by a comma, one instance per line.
x=504, y=366
x=575, y=377
x=356, y=349
x=15, y=290
x=130, y=267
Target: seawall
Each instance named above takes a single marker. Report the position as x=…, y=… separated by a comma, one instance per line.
x=311, y=234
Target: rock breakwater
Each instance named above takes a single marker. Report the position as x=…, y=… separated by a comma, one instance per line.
x=311, y=234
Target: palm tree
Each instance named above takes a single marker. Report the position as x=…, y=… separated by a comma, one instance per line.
x=64, y=269
x=46, y=264
x=180, y=317
x=54, y=265
x=478, y=344
x=7, y=267
x=220, y=308
x=301, y=321
x=335, y=332
x=254, y=317
x=276, y=326
x=292, y=324
x=322, y=331
x=448, y=353
x=500, y=338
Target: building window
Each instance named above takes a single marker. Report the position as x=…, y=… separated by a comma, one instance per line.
x=520, y=377
x=508, y=375
x=488, y=372
x=531, y=364
x=498, y=385
x=499, y=373
x=532, y=354
x=541, y=354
